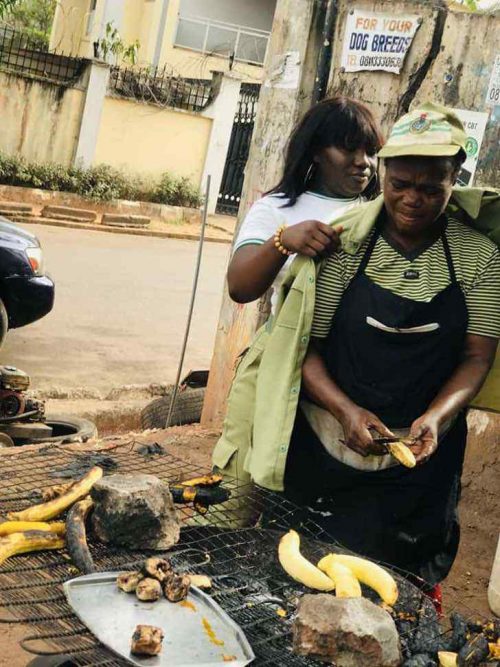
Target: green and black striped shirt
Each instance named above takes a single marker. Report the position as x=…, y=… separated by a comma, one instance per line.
x=476, y=260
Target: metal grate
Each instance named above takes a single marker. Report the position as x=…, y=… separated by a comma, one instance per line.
x=21, y=54
x=248, y=581
x=158, y=86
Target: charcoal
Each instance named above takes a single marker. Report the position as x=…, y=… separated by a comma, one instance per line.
x=459, y=627
x=134, y=511
x=150, y=449
x=420, y=660
x=79, y=467
x=474, y=652
x=428, y=639
x=347, y=632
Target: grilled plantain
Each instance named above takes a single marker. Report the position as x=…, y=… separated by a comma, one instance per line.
x=157, y=568
x=128, y=581
x=9, y=527
x=76, y=536
x=30, y=540
x=176, y=587
x=57, y=506
x=148, y=590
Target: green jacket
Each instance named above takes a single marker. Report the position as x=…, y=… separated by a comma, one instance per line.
x=264, y=395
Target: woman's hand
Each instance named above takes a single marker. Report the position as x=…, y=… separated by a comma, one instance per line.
x=357, y=423
x=424, y=431
x=312, y=238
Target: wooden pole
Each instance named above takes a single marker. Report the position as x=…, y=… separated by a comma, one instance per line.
x=286, y=94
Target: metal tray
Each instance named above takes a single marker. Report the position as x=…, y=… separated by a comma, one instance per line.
x=112, y=615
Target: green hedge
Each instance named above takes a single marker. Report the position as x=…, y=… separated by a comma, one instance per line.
x=100, y=183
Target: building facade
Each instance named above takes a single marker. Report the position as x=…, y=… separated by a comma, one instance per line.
x=189, y=37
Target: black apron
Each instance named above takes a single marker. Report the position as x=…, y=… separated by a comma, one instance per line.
x=404, y=517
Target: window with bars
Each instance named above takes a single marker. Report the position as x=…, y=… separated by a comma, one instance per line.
x=222, y=39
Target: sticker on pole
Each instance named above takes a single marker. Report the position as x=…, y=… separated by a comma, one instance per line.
x=493, y=94
x=474, y=123
x=284, y=71
x=377, y=42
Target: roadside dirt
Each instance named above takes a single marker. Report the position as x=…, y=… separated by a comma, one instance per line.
x=465, y=588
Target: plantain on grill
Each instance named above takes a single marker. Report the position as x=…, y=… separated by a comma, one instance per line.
x=53, y=508
x=76, y=536
x=9, y=527
x=30, y=540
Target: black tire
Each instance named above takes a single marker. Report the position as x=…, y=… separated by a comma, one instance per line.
x=68, y=429
x=187, y=409
x=4, y=322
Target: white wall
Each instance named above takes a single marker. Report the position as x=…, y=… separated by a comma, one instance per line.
x=250, y=13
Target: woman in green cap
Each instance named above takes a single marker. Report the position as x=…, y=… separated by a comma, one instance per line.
x=402, y=335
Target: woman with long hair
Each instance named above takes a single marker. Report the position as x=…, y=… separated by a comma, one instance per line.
x=330, y=166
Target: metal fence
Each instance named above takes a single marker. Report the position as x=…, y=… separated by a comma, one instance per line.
x=21, y=54
x=158, y=86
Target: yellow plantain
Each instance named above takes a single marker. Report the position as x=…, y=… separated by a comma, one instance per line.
x=298, y=567
x=57, y=506
x=402, y=453
x=9, y=527
x=372, y=575
x=31, y=540
x=447, y=659
x=346, y=584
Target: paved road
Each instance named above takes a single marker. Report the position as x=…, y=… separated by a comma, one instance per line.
x=120, y=311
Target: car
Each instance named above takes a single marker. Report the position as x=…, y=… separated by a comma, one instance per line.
x=26, y=292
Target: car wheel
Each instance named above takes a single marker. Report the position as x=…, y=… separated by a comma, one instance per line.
x=187, y=409
x=4, y=322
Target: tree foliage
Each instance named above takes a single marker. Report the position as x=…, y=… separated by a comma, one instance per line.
x=33, y=17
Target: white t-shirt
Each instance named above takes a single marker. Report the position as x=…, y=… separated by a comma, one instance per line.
x=269, y=213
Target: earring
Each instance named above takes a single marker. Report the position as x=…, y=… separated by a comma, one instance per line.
x=309, y=172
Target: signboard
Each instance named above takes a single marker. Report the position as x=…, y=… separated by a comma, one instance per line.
x=474, y=124
x=375, y=41
x=493, y=94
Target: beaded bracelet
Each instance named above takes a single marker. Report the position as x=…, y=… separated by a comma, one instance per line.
x=278, y=243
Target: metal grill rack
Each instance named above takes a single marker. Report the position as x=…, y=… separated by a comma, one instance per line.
x=248, y=581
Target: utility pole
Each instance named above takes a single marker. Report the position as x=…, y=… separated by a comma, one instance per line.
x=290, y=79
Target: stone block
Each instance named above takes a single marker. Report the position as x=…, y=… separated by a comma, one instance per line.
x=69, y=213
x=135, y=511
x=125, y=220
x=346, y=632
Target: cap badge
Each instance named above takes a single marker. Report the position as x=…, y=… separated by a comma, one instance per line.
x=421, y=124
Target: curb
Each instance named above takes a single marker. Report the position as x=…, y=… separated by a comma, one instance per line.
x=183, y=236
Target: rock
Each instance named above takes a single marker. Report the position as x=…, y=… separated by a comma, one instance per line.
x=347, y=632
x=134, y=511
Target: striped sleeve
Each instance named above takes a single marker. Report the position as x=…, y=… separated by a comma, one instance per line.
x=329, y=289
x=483, y=298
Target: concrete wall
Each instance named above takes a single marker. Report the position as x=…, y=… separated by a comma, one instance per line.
x=255, y=14
x=40, y=121
x=148, y=139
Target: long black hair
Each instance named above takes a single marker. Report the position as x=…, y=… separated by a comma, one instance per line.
x=338, y=121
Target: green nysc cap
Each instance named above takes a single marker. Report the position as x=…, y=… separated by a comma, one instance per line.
x=431, y=130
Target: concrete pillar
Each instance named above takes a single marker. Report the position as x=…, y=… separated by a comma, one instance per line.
x=161, y=33
x=222, y=111
x=91, y=115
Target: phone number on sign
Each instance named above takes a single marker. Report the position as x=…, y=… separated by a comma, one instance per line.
x=380, y=61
